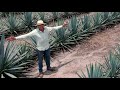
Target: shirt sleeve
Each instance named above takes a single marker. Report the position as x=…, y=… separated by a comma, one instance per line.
x=54, y=28
x=25, y=35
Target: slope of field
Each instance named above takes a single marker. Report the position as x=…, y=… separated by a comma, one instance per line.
x=90, y=51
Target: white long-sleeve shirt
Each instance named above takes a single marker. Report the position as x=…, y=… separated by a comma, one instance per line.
x=42, y=38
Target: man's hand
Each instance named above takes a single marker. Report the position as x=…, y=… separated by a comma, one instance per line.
x=65, y=23
x=11, y=38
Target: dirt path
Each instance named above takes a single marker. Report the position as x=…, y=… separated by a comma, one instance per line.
x=91, y=51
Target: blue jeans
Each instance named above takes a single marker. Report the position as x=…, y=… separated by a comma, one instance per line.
x=46, y=55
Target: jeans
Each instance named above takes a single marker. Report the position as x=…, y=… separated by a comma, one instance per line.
x=46, y=55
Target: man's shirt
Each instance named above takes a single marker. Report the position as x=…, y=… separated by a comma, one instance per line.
x=41, y=38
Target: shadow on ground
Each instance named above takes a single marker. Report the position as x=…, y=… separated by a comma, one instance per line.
x=56, y=68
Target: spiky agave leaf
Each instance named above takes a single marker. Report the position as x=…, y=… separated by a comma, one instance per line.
x=26, y=48
x=112, y=18
x=10, y=75
x=97, y=20
x=113, y=15
x=55, y=15
x=27, y=20
x=9, y=61
x=113, y=64
x=98, y=72
x=82, y=75
x=117, y=52
x=73, y=30
x=105, y=16
x=117, y=15
x=15, y=65
x=66, y=13
x=42, y=16
x=77, y=35
x=4, y=14
x=85, y=21
x=60, y=39
x=2, y=52
x=73, y=25
x=62, y=34
x=33, y=40
x=12, y=54
x=93, y=71
x=12, y=24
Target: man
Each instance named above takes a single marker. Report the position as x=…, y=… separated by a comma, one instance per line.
x=41, y=35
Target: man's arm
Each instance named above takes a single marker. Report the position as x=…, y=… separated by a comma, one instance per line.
x=11, y=38
x=25, y=35
x=54, y=28
x=58, y=27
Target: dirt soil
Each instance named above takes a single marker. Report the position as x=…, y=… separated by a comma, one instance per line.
x=90, y=51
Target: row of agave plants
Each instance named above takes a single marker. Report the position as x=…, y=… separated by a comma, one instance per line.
x=5, y=14
x=63, y=38
x=13, y=62
x=26, y=21
x=80, y=29
x=15, y=58
x=110, y=68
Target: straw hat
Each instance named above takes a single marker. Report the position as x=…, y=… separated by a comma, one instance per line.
x=40, y=22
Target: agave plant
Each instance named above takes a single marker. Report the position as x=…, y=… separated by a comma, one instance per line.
x=112, y=63
x=105, y=16
x=4, y=14
x=11, y=64
x=114, y=16
x=117, y=52
x=60, y=39
x=66, y=13
x=109, y=18
x=12, y=24
x=97, y=20
x=117, y=14
x=42, y=16
x=75, y=34
x=1, y=28
x=26, y=48
x=86, y=23
x=55, y=15
x=73, y=25
x=94, y=71
x=33, y=42
x=73, y=28
x=28, y=20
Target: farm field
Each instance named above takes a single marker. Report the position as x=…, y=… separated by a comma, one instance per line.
x=87, y=48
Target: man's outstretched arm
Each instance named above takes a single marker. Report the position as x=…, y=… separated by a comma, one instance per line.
x=11, y=38
x=58, y=27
